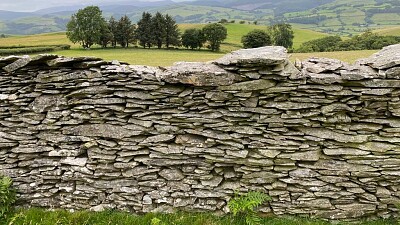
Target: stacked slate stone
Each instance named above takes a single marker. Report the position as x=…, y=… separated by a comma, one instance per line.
x=321, y=138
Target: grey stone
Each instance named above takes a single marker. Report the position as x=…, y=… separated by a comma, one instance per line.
x=393, y=73
x=330, y=134
x=18, y=64
x=344, y=151
x=214, y=182
x=45, y=103
x=198, y=74
x=249, y=85
x=264, y=56
x=159, y=138
x=336, y=107
x=386, y=58
x=322, y=65
x=171, y=174
x=74, y=161
x=100, y=130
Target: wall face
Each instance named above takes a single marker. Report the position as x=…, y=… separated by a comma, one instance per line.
x=322, y=139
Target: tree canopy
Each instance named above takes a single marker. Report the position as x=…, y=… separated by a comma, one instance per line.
x=86, y=26
x=215, y=33
x=256, y=38
x=193, y=38
x=282, y=35
x=364, y=41
x=144, y=30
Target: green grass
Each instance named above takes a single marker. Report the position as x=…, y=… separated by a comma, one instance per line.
x=37, y=39
x=139, y=56
x=36, y=216
x=345, y=56
x=395, y=31
x=156, y=57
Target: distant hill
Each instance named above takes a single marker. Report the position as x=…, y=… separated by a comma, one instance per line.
x=343, y=17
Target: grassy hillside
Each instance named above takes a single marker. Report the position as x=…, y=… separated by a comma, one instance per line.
x=233, y=42
x=390, y=31
x=37, y=39
x=343, y=17
x=168, y=57
x=348, y=17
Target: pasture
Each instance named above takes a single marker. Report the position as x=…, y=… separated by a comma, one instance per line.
x=163, y=57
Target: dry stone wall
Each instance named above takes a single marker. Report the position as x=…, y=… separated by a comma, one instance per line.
x=321, y=137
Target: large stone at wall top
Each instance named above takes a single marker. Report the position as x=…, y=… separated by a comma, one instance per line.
x=263, y=56
x=386, y=58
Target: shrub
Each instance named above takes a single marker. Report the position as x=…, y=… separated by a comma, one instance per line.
x=19, y=50
x=255, y=39
x=243, y=207
x=7, y=196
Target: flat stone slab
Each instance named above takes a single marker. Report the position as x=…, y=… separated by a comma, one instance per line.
x=199, y=74
x=264, y=56
x=386, y=58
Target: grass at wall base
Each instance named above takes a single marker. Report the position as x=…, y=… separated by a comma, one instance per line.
x=7, y=196
x=37, y=216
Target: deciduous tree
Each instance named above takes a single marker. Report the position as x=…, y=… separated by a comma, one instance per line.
x=215, y=33
x=193, y=38
x=85, y=26
x=256, y=38
x=282, y=35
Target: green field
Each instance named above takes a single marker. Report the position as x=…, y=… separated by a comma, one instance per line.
x=150, y=57
x=345, y=56
x=156, y=57
x=395, y=31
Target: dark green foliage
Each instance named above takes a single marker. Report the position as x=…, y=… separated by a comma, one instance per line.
x=215, y=33
x=172, y=35
x=282, y=35
x=106, y=36
x=325, y=44
x=20, y=50
x=7, y=196
x=125, y=32
x=193, y=38
x=255, y=39
x=158, y=29
x=364, y=41
x=113, y=28
x=243, y=207
x=223, y=21
x=144, y=30
x=85, y=26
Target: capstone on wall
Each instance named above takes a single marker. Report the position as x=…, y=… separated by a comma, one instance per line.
x=321, y=137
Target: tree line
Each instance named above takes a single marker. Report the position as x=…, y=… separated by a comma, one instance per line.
x=278, y=34
x=89, y=27
x=365, y=41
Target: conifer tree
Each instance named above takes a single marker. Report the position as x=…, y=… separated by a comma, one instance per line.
x=144, y=30
x=172, y=36
x=113, y=28
x=158, y=29
x=125, y=32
